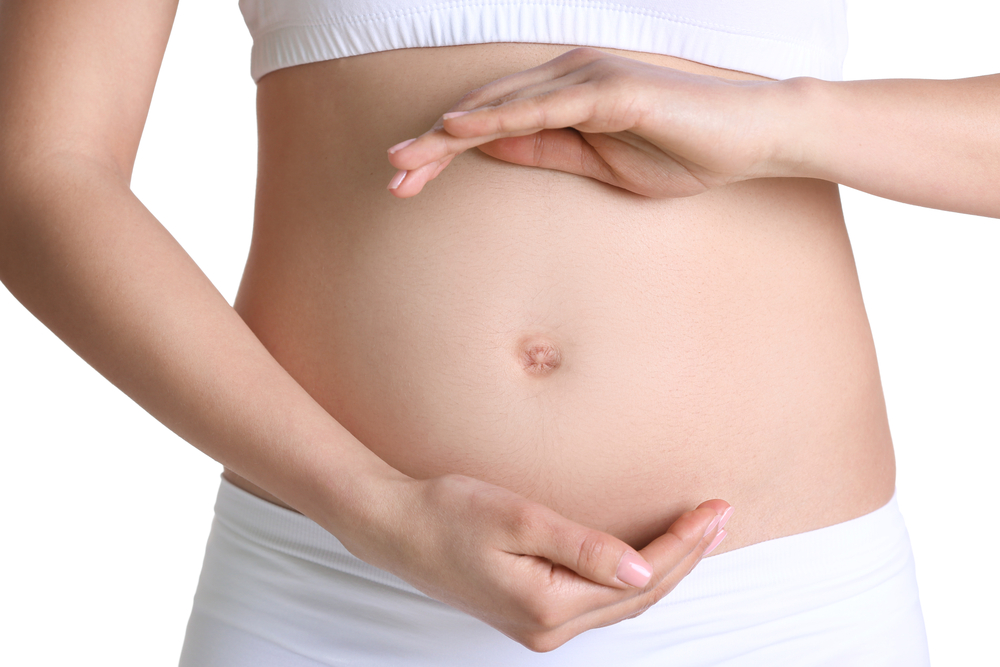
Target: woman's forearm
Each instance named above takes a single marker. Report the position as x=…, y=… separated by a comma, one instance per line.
x=924, y=142
x=85, y=256
x=661, y=132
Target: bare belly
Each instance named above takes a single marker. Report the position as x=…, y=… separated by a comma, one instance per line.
x=617, y=358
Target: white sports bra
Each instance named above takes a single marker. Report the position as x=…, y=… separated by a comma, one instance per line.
x=778, y=39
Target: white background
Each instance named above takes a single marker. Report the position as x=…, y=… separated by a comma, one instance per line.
x=99, y=564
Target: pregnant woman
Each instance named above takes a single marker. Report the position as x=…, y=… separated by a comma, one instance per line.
x=499, y=406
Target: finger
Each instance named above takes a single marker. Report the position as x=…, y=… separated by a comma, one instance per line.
x=684, y=541
x=503, y=87
x=562, y=72
x=438, y=142
x=411, y=182
x=596, y=556
x=563, y=150
x=676, y=553
x=672, y=555
x=565, y=107
x=551, y=107
x=720, y=532
x=529, y=83
x=527, y=91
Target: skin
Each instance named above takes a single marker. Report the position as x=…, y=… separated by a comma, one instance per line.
x=691, y=363
x=665, y=133
x=85, y=256
x=94, y=265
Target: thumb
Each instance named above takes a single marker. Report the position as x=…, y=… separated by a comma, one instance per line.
x=562, y=150
x=597, y=556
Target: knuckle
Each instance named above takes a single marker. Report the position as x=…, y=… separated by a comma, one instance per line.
x=547, y=619
x=590, y=552
x=647, y=603
x=525, y=523
x=537, y=148
x=584, y=54
x=686, y=527
x=600, y=68
x=542, y=642
x=488, y=95
x=542, y=107
x=541, y=614
x=662, y=590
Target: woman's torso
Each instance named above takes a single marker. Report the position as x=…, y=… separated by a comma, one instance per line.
x=709, y=347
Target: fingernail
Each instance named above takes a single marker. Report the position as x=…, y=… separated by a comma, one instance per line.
x=725, y=517
x=711, y=547
x=397, y=179
x=711, y=526
x=401, y=145
x=634, y=571
x=454, y=114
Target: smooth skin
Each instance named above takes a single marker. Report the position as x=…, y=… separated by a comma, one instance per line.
x=660, y=132
x=84, y=255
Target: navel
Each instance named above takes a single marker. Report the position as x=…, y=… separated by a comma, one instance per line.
x=539, y=356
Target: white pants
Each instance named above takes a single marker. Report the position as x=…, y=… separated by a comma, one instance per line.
x=279, y=591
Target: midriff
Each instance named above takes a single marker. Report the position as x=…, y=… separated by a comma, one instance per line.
x=618, y=358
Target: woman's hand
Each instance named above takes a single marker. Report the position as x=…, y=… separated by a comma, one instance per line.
x=536, y=576
x=660, y=132
x=652, y=130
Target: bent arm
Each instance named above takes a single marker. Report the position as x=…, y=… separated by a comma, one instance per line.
x=924, y=142
x=80, y=251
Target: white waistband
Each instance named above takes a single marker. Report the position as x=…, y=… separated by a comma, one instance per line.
x=841, y=595
x=847, y=552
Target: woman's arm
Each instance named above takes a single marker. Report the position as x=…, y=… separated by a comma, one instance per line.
x=81, y=252
x=664, y=133
x=923, y=142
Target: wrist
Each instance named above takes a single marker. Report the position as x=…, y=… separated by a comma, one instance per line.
x=357, y=502
x=795, y=129
x=341, y=485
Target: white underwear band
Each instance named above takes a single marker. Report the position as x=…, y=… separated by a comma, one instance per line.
x=277, y=590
